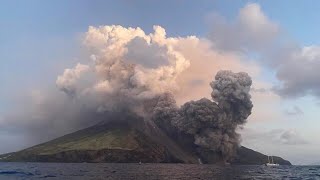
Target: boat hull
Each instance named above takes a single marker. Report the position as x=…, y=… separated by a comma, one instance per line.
x=272, y=165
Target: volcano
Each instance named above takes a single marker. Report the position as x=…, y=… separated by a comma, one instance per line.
x=128, y=139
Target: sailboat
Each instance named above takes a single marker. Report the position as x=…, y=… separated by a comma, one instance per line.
x=272, y=164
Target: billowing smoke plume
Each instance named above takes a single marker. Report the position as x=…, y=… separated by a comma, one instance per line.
x=231, y=92
x=132, y=71
x=128, y=67
x=135, y=72
x=213, y=124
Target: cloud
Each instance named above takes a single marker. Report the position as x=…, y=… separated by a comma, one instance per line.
x=292, y=137
x=69, y=80
x=267, y=104
x=252, y=29
x=287, y=143
x=205, y=62
x=259, y=90
x=294, y=112
x=148, y=55
x=38, y=116
x=275, y=136
x=254, y=34
x=299, y=73
x=2, y=121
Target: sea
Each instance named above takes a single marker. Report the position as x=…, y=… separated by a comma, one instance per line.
x=79, y=171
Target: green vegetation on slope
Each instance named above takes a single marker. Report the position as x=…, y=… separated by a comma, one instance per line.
x=110, y=142
x=111, y=139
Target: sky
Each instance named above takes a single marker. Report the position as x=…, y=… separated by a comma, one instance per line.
x=276, y=42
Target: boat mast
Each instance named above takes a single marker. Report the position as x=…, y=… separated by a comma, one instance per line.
x=272, y=159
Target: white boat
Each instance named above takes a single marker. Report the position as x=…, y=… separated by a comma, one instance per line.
x=271, y=164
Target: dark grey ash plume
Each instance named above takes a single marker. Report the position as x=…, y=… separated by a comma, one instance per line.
x=231, y=92
x=212, y=124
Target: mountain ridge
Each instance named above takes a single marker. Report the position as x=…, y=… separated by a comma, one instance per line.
x=126, y=141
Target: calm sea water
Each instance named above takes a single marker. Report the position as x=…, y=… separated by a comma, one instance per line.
x=152, y=171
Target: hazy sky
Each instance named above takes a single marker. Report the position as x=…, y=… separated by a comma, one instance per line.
x=275, y=41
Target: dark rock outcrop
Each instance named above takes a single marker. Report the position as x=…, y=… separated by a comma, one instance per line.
x=251, y=157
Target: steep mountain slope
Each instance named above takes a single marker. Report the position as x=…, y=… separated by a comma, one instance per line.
x=111, y=142
x=125, y=141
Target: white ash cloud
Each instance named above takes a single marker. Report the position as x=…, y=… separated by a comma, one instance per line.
x=128, y=66
x=69, y=81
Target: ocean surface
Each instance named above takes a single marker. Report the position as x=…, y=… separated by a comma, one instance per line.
x=152, y=171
